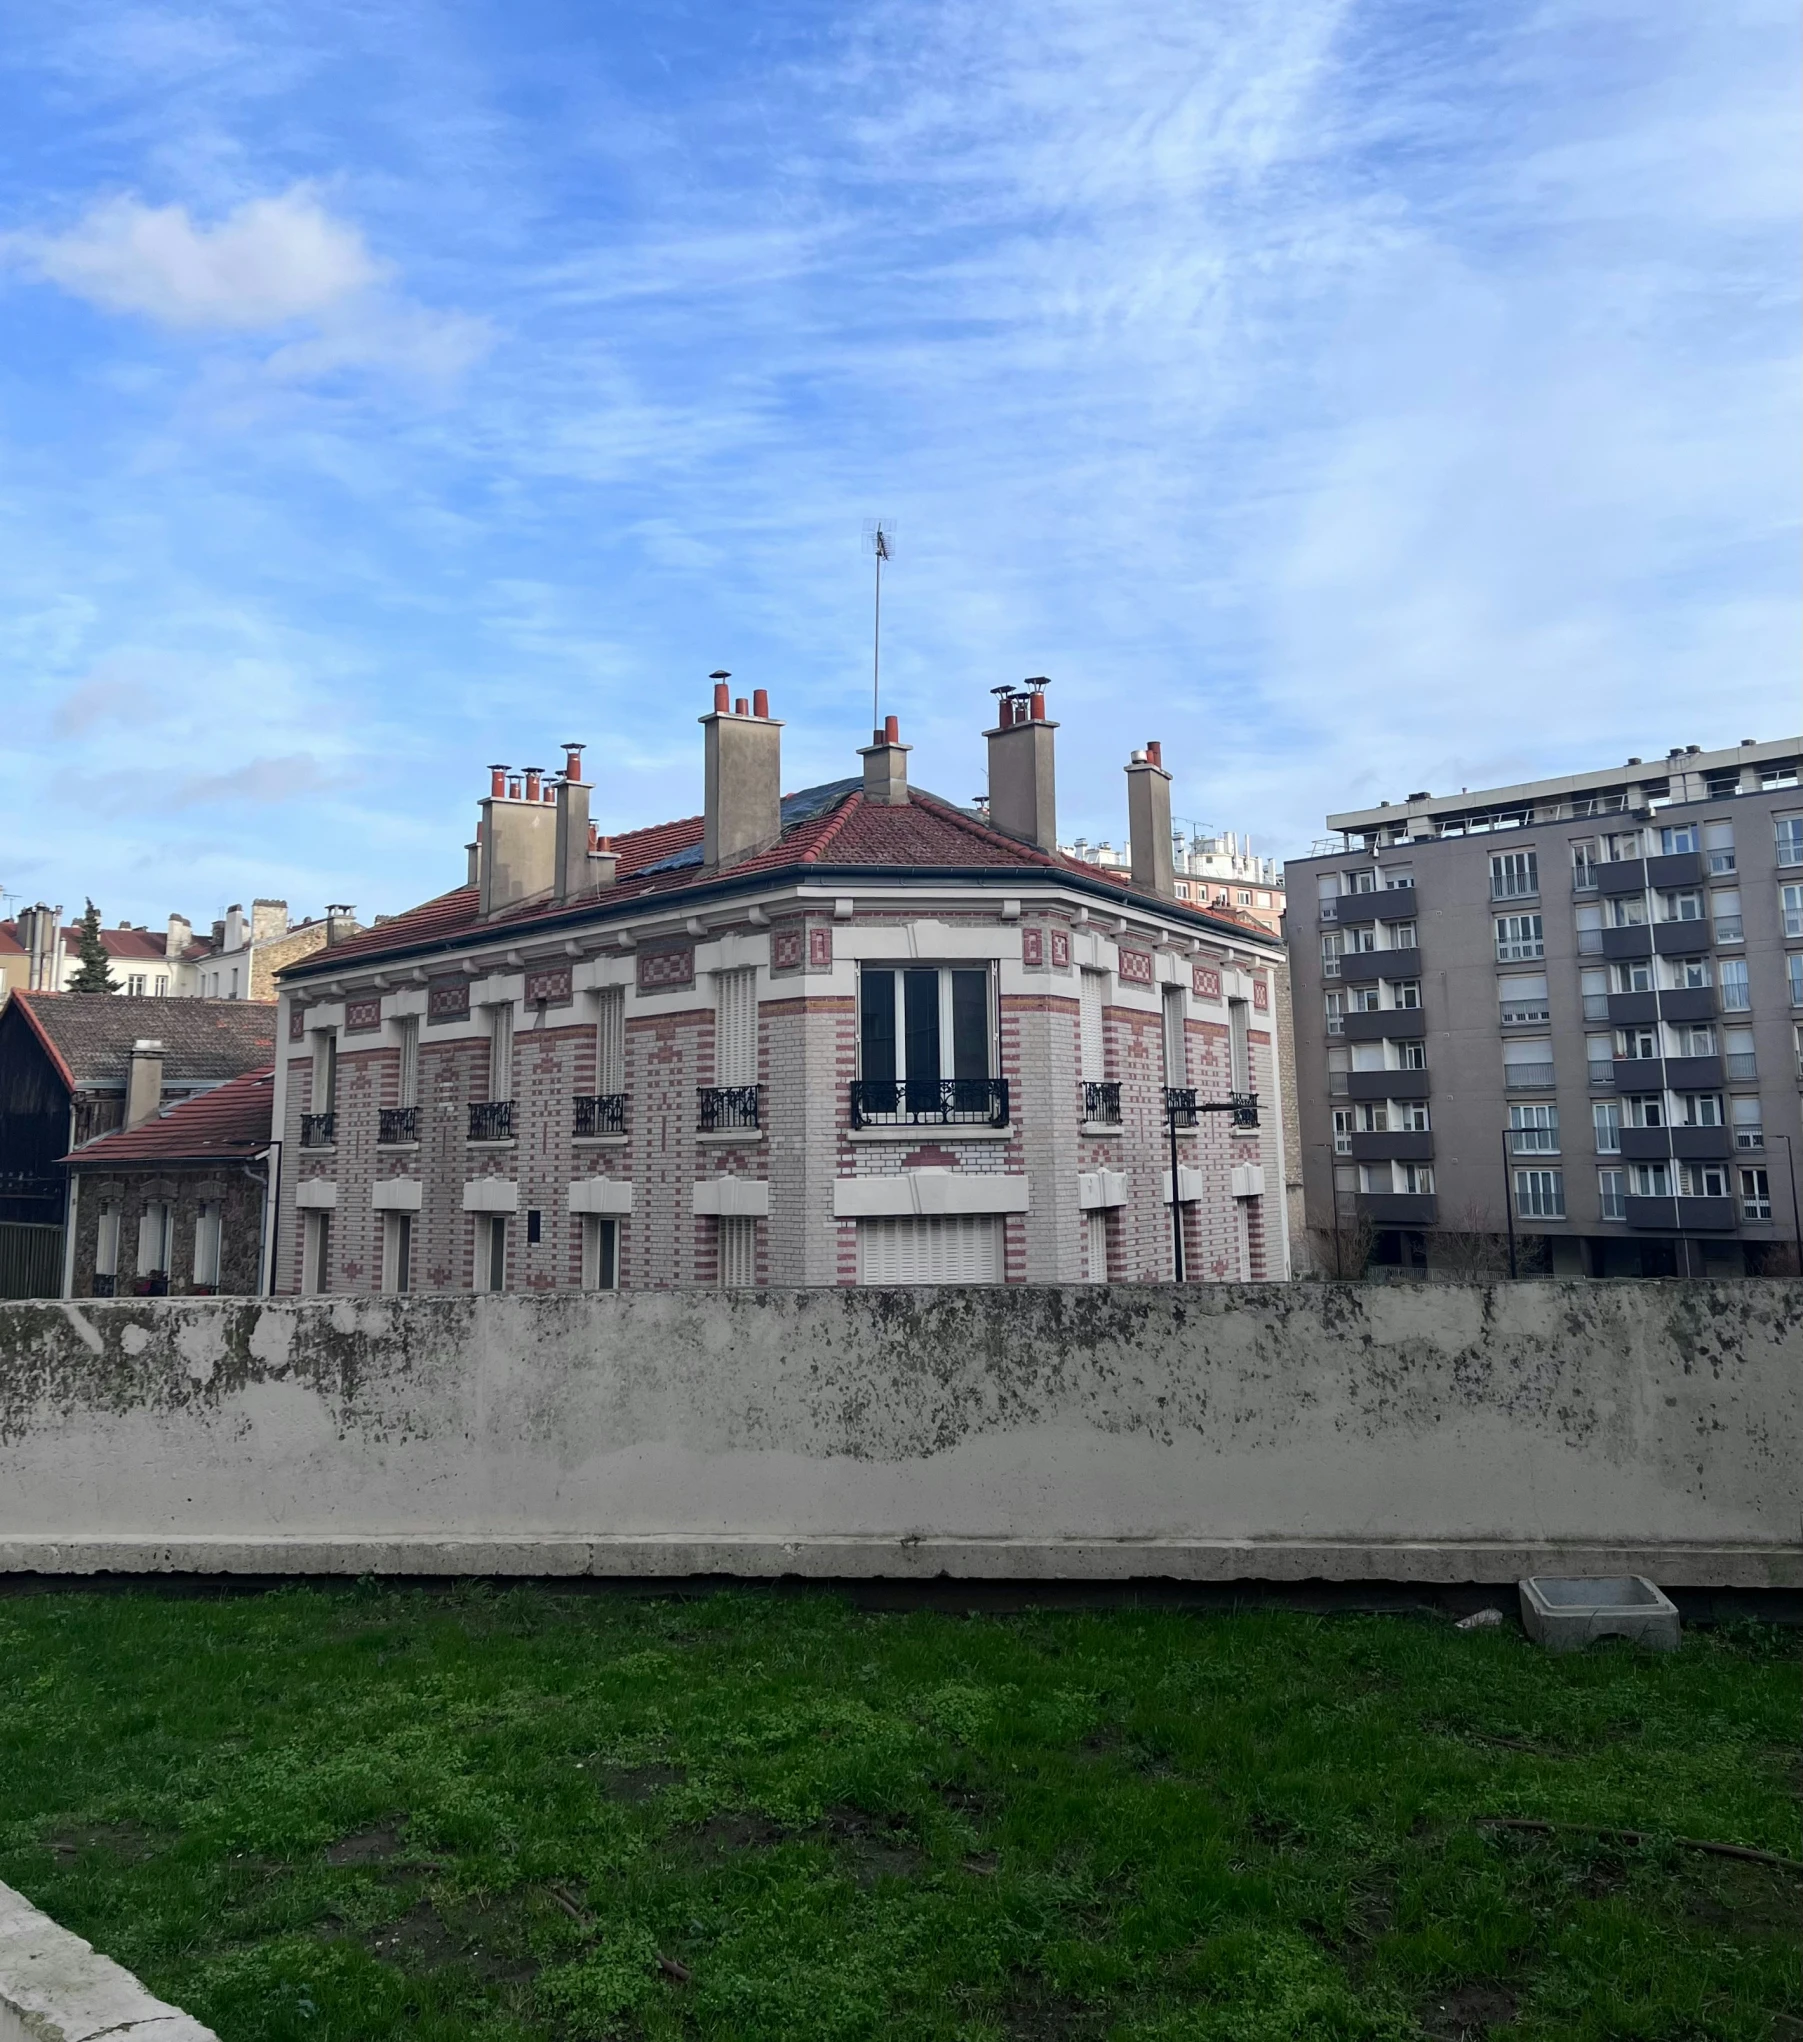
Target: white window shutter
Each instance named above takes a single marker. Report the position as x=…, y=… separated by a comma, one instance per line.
x=1094, y=1053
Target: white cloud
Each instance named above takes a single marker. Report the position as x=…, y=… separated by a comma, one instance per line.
x=268, y=262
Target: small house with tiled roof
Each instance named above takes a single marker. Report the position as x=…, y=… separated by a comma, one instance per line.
x=857, y=1034
x=177, y=1204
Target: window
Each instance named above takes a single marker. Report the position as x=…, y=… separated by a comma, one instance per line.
x=1245, y=900
x=1643, y=1109
x=155, y=1227
x=1756, y=1194
x=1593, y=988
x=1781, y=773
x=491, y=1250
x=1519, y=938
x=500, y=1060
x=1528, y=1062
x=1405, y=993
x=316, y=1252
x=1402, y=935
x=1636, y=976
x=600, y=1252
x=1685, y=905
x=1540, y=1194
x=397, y=1252
x=1688, y=974
x=1363, y=880
x=162, y=986
x=1736, y=995
x=1793, y=971
x=1749, y=1125
x=1700, y=1109
x=1534, y=1130
x=1637, y=1045
x=1695, y=1038
x=1414, y=1179
x=1722, y=786
x=408, y=1030
x=1411, y=1056
x=737, y=1239
x=1333, y=948
x=325, y=1070
x=234, y=981
x=1677, y=837
x=1789, y=830
x=135, y=982
x=1523, y=999
x=206, y=1243
x=1409, y=1116
x=1583, y=865
x=1627, y=911
x=1799, y=1036
x=1374, y=1118
x=1093, y=1043
x=1790, y=905
x=1239, y=1044
x=1336, y=1013
x=1738, y=1059
x=967, y=1249
x=1703, y=1180
x=1599, y=1054
x=1623, y=847
x=610, y=1043
x=1718, y=847
x=1366, y=1000
x=106, y=1240
x=1342, y=1130
x=1724, y=905
x=1514, y=875
x=1362, y=941
x=1605, y=1115
x=736, y=1028
x=1610, y=1197
x=1176, y=1041
x=923, y=1023
x=1588, y=922
x=1398, y=875
x=1650, y=1180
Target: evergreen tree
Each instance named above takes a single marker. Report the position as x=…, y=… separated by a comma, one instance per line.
x=94, y=975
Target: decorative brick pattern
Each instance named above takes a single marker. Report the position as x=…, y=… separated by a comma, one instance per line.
x=663, y=968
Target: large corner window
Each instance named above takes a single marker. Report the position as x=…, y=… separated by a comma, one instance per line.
x=926, y=1047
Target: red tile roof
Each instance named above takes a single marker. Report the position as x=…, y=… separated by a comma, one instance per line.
x=231, y=1122
x=835, y=827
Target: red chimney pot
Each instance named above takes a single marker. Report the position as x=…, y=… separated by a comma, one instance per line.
x=513, y=790
x=892, y=730
x=572, y=762
x=722, y=699
x=741, y=707
x=1036, y=713
x=1154, y=752
x=533, y=775
x=497, y=781
x=760, y=702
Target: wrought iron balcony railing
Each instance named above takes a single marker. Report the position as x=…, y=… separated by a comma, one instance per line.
x=1185, y=1109
x=929, y=1102
x=318, y=1130
x=600, y=1113
x=1102, y=1102
x=397, y=1124
x=491, y=1120
x=727, y=1109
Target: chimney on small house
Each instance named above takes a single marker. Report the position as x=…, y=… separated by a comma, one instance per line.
x=1149, y=822
x=268, y=920
x=1022, y=789
x=144, y=1088
x=579, y=869
x=180, y=935
x=886, y=766
x=341, y=922
x=744, y=802
x=518, y=839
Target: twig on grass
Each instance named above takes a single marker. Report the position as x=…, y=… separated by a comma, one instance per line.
x=673, y=1967
x=1640, y=1836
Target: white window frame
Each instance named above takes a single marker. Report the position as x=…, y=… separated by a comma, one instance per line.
x=1605, y=1123
x=1534, y=1130
x=1515, y=875
x=398, y=1232
x=1755, y=1192
x=1092, y=1026
x=610, y=1042
x=736, y=1027
x=106, y=1239
x=208, y=1241
x=600, y=1251
x=1540, y=1194
x=1520, y=939
x=316, y=1251
x=1611, y=1194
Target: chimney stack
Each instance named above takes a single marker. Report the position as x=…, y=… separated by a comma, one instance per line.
x=886, y=766
x=144, y=1089
x=743, y=813
x=578, y=869
x=1149, y=822
x=341, y=922
x=517, y=841
x=1022, y=791
x=180, y=935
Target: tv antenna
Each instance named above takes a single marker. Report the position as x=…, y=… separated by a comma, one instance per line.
x=879, y=536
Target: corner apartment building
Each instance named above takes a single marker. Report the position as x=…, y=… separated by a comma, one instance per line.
x=856, y=1034
x=1582, y=994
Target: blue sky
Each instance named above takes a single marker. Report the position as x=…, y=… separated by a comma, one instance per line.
x=1356, y=397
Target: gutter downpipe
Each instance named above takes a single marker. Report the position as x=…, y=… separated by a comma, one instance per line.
x=272, y=1197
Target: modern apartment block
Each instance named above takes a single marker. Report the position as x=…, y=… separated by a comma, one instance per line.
x=1583, y=994
x=855, y=1034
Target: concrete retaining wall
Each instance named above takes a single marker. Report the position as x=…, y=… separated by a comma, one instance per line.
x=1218, y=1432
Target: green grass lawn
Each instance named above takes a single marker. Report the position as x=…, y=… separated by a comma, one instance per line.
x=322, y=1815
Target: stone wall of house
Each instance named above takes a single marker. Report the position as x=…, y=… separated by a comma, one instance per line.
x=1404, y=1432
x=239, y=1192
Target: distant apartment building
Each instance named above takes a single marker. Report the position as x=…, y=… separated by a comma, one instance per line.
x=1218, y=871
x=237, y=958
x=1574, y=1006
x=854, y=1034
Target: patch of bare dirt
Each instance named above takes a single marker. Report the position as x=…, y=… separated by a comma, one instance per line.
x=1466, y=2013
x=641, y=1782
x=1034, y=2015
x=129, y=1842
x=870, y=1847
x=486, y=1942
x=377, y=1845
x=724, y=1835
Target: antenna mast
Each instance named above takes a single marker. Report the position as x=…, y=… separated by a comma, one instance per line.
x=879, y=536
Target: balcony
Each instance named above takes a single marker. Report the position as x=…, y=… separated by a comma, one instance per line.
x=1693, y=1073
x=397, y=1127
x=1739, y=1066
x=1639, y=1074
x=1681, y=939
x=318, y=1130
x=1398, y=1208
x=597, y=1113
x=1627, y=1008
x=1389, y=904
x=1678, y=868
x=1681, y=1215
x=491, y=1120
x=733, y=1109
x=1657, y=1213
x=933, y=1102
x=1636, y=941
x=1101, y=1102
x=1537, y=1077
x=1400, y=1024
x=1629, y=876
x=1401, y=1147
x=1386, y=1084
x=1181, y=1103
x=1688, y=1003
x=1701, y=1144
x=1360, y=967
x=1645, y=1144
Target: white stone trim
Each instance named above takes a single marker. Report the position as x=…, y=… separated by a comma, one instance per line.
x=1101, y=1188
x=739, y=1198
x=491, y=1194
x=932, y=1192
x=1248, y=1180
x=396, y=1194
x=316, y=1194
x=601, y=1194
x=1191, y=1184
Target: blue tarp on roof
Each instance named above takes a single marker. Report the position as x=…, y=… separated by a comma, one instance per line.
x=796, y=808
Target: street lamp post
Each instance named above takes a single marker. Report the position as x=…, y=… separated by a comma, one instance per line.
x=1508, y=1204
x=1181, y=1109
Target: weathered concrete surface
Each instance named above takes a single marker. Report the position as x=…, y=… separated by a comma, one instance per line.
x=1218, y=1432
x=56, y=1988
